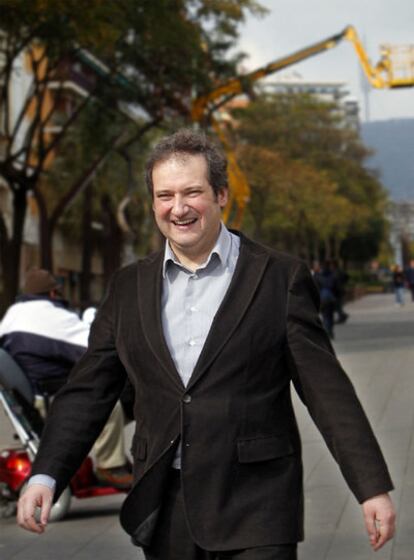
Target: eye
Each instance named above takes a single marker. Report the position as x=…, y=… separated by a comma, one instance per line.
x=164, y=196
x=194, y=192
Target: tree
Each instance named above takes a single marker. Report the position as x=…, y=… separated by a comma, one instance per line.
x=116, y=188
x=320, y=162
x=153, y=54
x=294, y=206
x=37, y=40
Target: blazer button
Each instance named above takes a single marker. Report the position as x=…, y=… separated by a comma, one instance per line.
x=186, y=398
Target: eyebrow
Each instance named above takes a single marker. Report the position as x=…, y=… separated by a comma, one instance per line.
x=166, y=190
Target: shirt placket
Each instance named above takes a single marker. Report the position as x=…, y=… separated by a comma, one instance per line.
x=191, y=328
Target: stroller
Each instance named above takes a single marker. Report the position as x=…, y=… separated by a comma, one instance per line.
x=18, y=401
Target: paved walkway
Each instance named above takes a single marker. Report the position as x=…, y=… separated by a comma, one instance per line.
x=376, y=347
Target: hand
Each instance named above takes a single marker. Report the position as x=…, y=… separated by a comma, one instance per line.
x=35, y=496
x=379, y=515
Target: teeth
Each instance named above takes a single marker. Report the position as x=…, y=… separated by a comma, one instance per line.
x=183, y=222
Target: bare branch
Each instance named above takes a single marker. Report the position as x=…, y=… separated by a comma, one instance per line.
x=57, y=97
x=140, y=133
x=35, y=132
x=5, y=98
x=15, y=48
x=85, y=179
x=53, y=144
x=4, y=238
x=19, y=121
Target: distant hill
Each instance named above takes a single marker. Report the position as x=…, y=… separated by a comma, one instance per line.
x=393, y=143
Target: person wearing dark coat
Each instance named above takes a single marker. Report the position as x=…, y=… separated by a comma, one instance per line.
x=398, y=282
x=341, y=280
x=409, y=277
x=328, y=288
x=211, y=331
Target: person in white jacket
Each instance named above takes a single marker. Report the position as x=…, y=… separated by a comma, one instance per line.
x=46, y=339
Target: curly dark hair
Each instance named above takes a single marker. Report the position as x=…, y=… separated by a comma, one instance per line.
x=190, y=142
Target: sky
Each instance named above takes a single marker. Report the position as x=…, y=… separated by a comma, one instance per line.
x=293, y=24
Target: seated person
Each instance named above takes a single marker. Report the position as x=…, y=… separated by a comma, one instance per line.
x=46, y=340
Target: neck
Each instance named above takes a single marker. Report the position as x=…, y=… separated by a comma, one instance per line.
x=193, y=257
x=192, y=262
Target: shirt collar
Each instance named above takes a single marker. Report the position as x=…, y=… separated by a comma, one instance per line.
x=221, y=248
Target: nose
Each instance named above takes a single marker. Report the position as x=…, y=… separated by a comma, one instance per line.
x=179, y=207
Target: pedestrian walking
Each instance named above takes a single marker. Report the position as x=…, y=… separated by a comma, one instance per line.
x=326, y=282
x=341, y=280
x=211, y=331
x=409, y=276
x=398, y=281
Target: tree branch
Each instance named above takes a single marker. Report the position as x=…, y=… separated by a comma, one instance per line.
x=67, y=125
x=4, y=235
x=19, y=120
x=84, y=180
x=143, y=130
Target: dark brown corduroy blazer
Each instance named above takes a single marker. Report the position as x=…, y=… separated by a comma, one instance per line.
x=241, y=452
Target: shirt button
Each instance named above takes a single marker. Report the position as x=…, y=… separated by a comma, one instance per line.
x=193, y=309
x=191, y=342
x=187, y=398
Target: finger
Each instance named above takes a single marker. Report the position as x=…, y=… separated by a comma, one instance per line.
x=45, y=511
x=386, y=531
x=371, y=528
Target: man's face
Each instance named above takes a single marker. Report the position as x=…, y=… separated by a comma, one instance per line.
x=186, y=210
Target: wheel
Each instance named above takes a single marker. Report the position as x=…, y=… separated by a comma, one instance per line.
x=60, y=508
x=7, y=508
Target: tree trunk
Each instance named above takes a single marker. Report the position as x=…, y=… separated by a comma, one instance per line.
x=45, y=232
x=113, y=240
x=315, y=249
x=87, y=244
x=10, y=249
x=327, y=245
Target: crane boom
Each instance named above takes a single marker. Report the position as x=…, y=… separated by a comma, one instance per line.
x=240, y=84
x=395, y=69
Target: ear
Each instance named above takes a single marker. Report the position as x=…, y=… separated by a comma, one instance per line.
x=222, y=197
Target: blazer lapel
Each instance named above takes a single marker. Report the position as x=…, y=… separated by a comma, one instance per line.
x=149, y=298
x=250, y=267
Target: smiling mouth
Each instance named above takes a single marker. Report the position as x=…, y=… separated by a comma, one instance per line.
x=184, y=222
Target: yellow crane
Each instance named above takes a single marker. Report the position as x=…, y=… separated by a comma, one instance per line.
x=395, y=69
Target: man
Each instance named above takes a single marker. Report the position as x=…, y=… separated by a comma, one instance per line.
x=210, y=332
x=46, y=340
x=409, y=276
x=341, y=280
x=328, y=287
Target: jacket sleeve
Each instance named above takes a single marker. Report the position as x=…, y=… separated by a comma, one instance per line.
x=327, y=392
x=82, y=406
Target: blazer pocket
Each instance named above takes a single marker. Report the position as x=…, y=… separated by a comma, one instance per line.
x=263, y=448
x=139, y=448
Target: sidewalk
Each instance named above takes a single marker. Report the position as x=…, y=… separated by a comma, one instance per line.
x=376, y=347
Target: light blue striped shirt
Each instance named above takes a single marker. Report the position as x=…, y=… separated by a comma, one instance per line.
x=190, y=300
